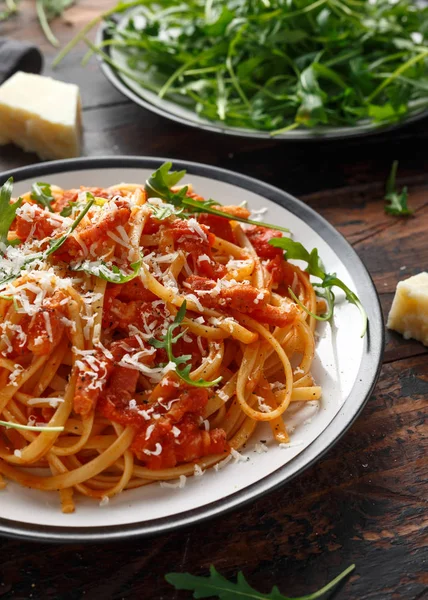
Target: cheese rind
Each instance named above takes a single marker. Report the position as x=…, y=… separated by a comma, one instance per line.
x=41, y=115
x=409, y=310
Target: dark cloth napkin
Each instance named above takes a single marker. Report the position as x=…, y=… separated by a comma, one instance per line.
x=18, y=56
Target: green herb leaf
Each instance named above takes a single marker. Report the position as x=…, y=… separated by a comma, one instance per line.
x=55, y=244
x=217, y=586
x=206, y=206
x=158, y=186
x=328, y=296
x=396, y=203
x=112, y=274
x=42, y=194
x=7, y=210
x=67, y=210
x=10, y=425
x=318, y=62
x=163, y=211
x=168, y=340
x=295, y=250
x=55, y=8
x=161, y=181
x=311, y=111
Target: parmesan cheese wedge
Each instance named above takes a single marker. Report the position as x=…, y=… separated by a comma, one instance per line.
x=41, y=115
x=409, y=310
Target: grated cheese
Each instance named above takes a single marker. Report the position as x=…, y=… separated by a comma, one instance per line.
x=168, y=405
x=195, y=300
x=260, y=448
x=238, y=457
x=197, y=471
x=195, y=226
x=222, y=395
x=155, y=452
x=258, y=213
x=262, y=405
x=260, y=296
x=53, y=402
x=285, y=446
x=18, y=369
x=67, y=322
x=149, y=431
x=146, y=414
x=277, y=385
x=220, y=465
x=177, y=484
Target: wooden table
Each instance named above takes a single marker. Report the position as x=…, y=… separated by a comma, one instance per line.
x=366, y=500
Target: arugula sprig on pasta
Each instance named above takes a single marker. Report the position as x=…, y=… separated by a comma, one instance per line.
x=53, y=245
x=111, y=273
x=217, y=586
x=168, y=340
x=42, y=428
x=41, y=192
x=295, y=250
x=7, y=210
x=161, y=182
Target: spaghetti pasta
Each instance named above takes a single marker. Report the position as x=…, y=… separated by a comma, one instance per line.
x=140, y=343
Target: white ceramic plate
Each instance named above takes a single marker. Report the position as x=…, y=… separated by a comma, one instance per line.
x=346, y=367
x=186, y=115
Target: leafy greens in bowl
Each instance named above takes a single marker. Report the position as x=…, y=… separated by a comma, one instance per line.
x=273, y=67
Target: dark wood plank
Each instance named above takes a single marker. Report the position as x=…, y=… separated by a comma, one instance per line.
x=300, y=168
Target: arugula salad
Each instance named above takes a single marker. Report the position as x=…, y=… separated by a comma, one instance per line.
x=274, y=65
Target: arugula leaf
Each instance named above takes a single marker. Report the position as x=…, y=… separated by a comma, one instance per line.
x=7, y=210
x=168, y=340
x=311, y=111
x=160, y=182
x=10, y=425
x=328, y=296
x=295, y=250
x=164, y=211
x=41, y=193
x=205, y=206
x=67, y=210
x=55, y=8
x=217, y=586
x=396, y=202
x=56, y=244
x=112, y=274
x=319, y=62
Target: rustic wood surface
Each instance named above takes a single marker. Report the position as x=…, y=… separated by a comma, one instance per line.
x=366, y=500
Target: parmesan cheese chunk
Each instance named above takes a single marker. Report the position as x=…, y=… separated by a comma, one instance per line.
x=41, y=115
x=409, y=310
